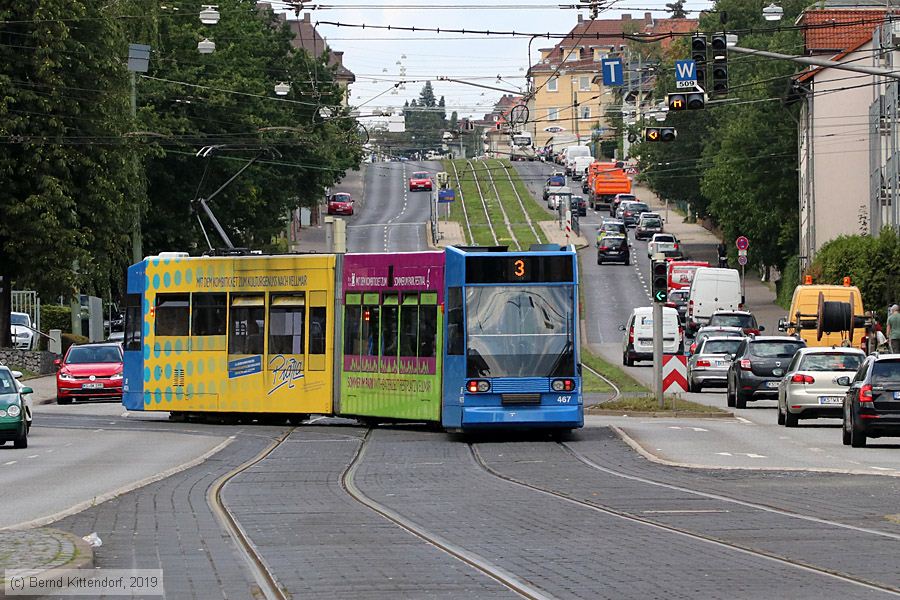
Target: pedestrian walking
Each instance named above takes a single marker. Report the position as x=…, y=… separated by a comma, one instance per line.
x=893, y=329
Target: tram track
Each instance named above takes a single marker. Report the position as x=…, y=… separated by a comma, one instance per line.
x=487, y=214
x=506, y=221
x=462, y=202
x=609, y=382
x=700, y=537
x=512, y=185
x=263, y=576
x=479, y=563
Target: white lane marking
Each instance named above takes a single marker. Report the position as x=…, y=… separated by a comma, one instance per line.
x=724, y=453
x=815, y=450
x=32, y=456
x=699, y=429
x=686, y=511
x=881, y=468
x=746, y=421
x=751, y=455
x=12, y=462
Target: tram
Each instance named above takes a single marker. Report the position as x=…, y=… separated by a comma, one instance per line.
x=464, y=338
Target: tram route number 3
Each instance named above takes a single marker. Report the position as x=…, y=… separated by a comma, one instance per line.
x=519, y=268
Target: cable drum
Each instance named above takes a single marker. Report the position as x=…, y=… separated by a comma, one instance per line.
x=834, y=317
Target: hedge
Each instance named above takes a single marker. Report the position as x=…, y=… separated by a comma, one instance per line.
x=68, y=339
x=872, y=263
x=54, y=316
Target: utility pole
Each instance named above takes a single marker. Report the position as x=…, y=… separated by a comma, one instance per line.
x=575, y=113
x=138, y=62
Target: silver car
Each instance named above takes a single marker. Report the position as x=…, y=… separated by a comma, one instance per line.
x=809, y=389
x=707, y=332
x=709, y=365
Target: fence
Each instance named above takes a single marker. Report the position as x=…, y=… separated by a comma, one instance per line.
x=28, y=302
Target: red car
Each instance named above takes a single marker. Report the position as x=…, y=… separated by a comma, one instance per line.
x=89, y=371
x=420, y=180
x=340, y=204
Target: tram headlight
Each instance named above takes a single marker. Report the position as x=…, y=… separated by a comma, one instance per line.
x=563, y=385
x=476, y=386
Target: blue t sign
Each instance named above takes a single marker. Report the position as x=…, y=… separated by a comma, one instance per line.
x=612, y=71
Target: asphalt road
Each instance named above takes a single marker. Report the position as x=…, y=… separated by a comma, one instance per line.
x=391, y=219
x=75, y=457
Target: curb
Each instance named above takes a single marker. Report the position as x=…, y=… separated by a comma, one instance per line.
x=601, y=412
x=82, y=558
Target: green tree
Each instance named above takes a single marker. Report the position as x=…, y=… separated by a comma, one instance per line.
x=676, y=9
x=66, y=202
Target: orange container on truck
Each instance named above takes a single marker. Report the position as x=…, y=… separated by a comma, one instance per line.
x=605, y=181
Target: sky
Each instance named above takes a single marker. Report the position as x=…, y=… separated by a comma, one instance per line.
x=373, y=55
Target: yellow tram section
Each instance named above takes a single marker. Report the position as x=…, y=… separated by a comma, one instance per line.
x=239, y=334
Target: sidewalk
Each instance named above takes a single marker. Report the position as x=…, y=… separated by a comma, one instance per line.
x=314, y=238
x=700, y=244
x=43, y=551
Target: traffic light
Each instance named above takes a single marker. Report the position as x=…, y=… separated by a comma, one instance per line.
x=660, y=270
x=720, y=64
x=660, y=134
x=686, y=101
x=700, y=57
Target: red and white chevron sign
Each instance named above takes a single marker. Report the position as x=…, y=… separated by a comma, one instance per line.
x=674, y=373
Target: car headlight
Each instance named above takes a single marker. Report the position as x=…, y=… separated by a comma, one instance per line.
x=13, y=410
x=65, y=376
x=116, y=376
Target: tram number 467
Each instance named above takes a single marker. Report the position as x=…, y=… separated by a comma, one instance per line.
x=564, y=399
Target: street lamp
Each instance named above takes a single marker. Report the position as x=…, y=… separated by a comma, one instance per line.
x=773, y=12
x=282, y=89
x=209, y=15
x=206, y=46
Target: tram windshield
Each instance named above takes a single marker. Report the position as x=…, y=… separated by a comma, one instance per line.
x=515, y=331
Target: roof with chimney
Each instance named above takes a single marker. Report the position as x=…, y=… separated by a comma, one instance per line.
x=833, y=27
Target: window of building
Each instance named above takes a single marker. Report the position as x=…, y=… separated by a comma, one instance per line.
x=552, y=84
x=247, y=325
x=584, y=83
x=552, y=114
x=173, y=314
x=208, y=314
x=286, y=324
x=573, y=54
x=585, y=112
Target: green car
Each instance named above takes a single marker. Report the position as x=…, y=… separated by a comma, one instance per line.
x=14, y=424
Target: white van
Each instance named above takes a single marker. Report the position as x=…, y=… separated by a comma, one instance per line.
x=580, y=165
x=711, y=290
x=637, y=342
x=573, y=152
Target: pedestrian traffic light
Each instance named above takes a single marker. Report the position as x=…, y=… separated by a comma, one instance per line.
x=660, y=134
x=699, y=55
x=720, y=64
x=686, y=101
x=660, y=271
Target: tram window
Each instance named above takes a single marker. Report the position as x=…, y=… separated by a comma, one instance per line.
x=317, y=322
x=390, y=314
x=133, y=322
x=173, y=313
x=248, y=325
x=352, y=321
x=208, y=314
x=427, y=330
x=370, y=330
x=455, y=325
x=409, y=325
x=286, y=327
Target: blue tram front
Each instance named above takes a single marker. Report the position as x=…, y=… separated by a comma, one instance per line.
x=511, y=348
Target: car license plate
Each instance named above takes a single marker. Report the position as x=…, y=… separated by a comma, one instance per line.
x=721, y=363
x=91, y=386
x=772, y=384
x=831, y=400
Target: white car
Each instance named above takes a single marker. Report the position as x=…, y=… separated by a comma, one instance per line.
x=22, y=331
x=663, y=243
x=809, y=388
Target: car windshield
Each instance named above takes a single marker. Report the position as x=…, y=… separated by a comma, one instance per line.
x=837, y=361
x=743, y=321
x=773, y=349
x=668, y=239
x=640, y=207
x=420, y=175
x=515, y=331
x=7, y=384
x=626, y=198
x=556, y=181
x=18, y=320
x=93, y=354
x=341, y=198
x=720, y=346
x=886, y=371
x=614, y=240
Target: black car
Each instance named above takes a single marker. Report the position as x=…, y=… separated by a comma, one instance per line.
x=578, y=205
x=619, y=198
x=758, y=366
x=872, y=404
x=613, y=248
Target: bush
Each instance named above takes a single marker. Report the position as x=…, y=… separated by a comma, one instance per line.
x=872, y=263
x=56, y=317
x=790, y=279
x=69, y=339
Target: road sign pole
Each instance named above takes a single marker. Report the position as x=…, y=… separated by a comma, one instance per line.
x=658, y=352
